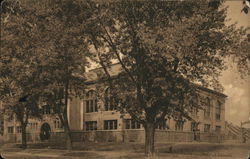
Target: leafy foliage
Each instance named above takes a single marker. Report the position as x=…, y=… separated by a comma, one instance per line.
x=241, y=57
x=44, y=55
x=20, y=86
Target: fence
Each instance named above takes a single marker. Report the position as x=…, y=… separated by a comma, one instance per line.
x=136, y=136
x=161, y=136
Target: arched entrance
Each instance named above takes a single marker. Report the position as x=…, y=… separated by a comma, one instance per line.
x=45, y=132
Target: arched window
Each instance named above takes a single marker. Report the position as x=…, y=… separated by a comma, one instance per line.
x=58, y=124
x=108, y=104
x=91, y=102
x=207, y=108
x=194, y=107
x=218, y=110
x=179, y=125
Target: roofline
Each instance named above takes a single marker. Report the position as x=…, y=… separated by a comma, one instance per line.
x=199, y=86
x=212, y=91
x=101, y=67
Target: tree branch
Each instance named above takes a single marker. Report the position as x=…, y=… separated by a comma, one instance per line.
x=112, y=45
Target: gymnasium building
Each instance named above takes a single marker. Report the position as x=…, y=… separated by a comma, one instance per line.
x=93, y=120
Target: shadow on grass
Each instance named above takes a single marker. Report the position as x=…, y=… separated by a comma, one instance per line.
x=60, y=146
x=83, y=154
x=107, y=146
x=201, y=149
x=131, y=148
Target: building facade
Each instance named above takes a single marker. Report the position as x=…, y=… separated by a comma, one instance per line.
x=92, y=118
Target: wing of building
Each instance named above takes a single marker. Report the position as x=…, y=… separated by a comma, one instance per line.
x=95, y=119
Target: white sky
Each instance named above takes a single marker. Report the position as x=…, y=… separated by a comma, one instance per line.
x=238, y=90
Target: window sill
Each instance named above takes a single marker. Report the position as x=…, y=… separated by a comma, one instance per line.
x=90, y=112
x=109, y=110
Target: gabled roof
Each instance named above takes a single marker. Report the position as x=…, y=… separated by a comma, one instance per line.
x=92, y=75
x=116, y=68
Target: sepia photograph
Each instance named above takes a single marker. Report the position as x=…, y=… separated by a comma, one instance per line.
x=125, y=79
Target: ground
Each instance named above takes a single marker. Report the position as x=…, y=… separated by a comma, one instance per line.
x=129, y=151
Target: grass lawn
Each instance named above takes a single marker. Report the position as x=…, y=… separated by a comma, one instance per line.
x=134, y=151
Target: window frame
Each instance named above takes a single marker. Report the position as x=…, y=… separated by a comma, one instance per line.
x=90, y=125
x=161, y=125
x=19, y=129
x=131, y=124
x=10, y=129
x=91, y=101
x=110, y=124
x=218, y=110
x=108, y=101
x=207, y=127
x=179, y=124
x=207, y=110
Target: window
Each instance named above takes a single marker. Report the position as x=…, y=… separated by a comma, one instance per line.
x=10, y=117
x=193, y=126
x=108, y=104
x=110, y=124
x=194, y=109
x=132, y=124
x=179, y=125
x=91, y=125
x=207, y=108
x=218, y=129
x=58, y=124
x=161, y=125
x=91, y=102
x=218, y=110
x=10, y=129
x=33, y=126
x=19, y=129
x=1, y=127
x=46, y=109
x=207, y=128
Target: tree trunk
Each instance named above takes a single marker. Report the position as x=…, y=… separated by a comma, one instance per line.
x=65, y=116
x=68, y=136
x=67, y=132
x=149, y=139
x=24, y=141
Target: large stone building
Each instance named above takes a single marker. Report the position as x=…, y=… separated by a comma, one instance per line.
x=94, y=119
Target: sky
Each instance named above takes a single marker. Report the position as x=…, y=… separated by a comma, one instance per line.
x=237, y=108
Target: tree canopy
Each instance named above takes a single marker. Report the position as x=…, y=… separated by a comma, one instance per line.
x=43, y=55
x=164, y=48
x=20, y=86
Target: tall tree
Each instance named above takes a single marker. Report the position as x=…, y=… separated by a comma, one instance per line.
x=47, y=49
x=63, y=62
x=164, y=48
x=19, y=76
